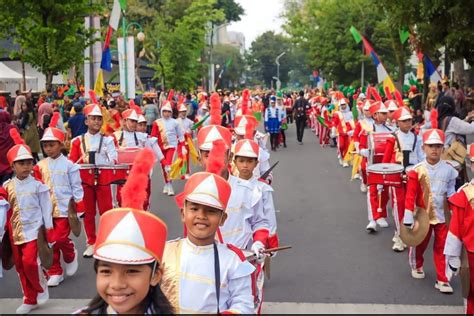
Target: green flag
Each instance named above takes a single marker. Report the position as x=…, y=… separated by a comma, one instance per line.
x=356, y=34
x=355, y=112
x=404, y=34
x=326, y=85
x=321, y=121
x=228, y=63
x=123, y=4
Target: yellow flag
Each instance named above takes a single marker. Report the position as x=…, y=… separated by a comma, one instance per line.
x=99, y=84
x=389, y=83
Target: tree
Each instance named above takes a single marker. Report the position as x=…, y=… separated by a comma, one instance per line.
x=261, y=58
x=232, y=10
x=321, y=27
x=51, y=34
x=225, y=54
x=181, y=28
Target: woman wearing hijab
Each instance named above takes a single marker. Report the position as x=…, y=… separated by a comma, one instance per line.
x=19, y=101
x=6, y=142
x=450, y=123
x=45, y=112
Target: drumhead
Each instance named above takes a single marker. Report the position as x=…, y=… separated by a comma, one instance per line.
x=114, y=167
x=385, y=168
x=86, y=166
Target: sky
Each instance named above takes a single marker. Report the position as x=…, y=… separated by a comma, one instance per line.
x=260, y=16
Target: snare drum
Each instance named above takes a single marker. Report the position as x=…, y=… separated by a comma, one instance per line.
x=116, y=174
x=378, y=142
x=389, y=174
x=456, y=165
x=87, y=174
x=127, y=155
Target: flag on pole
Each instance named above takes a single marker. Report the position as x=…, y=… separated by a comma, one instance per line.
x=115, y=15
x=355, y=33
x=430, y=70
x=404, y=34
x=382, y=75
x=99, y=84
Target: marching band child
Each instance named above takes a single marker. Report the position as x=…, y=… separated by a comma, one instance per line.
x=185, y=123
x=170, y=137
x=433, y=181
x=30, y=209
x=4, y=207
x=94, y=148
x=201, y=275
x=460, y=235
x=63, y=178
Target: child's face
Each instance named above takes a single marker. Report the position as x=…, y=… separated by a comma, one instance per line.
x=245, y=166
x=130, y=125
x=433, y=152
x=380, y=117
x=166, y=114
x=125, y=287
x=23, y=168
x=202, y=222
x=182, y=114
x=141, y=127
x=94, y=123
x=405, y=125
x=52, y=148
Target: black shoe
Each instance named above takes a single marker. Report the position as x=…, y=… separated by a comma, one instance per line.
x=284, y=145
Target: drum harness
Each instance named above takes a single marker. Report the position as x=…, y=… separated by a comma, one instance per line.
x=134, y=135
x=84, y=148
x=406, y=153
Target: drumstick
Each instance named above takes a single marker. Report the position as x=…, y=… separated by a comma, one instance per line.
x=379, y=209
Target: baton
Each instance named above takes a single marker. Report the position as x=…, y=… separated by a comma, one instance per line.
x=252, y=257
x=265, y=175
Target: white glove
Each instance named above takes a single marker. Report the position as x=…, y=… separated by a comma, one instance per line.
x=350, y=133
x=452, y=266
x=257, y=247
x=333, y=132
x=364, y=152
x=356, y=146
x=379, y=187
x=167, y=168
x=184, y=151
x=408, y=219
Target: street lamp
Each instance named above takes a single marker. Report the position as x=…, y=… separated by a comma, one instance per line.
x=278, y=69
x=140, y=37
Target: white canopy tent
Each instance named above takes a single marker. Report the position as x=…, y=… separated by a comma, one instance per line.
x=11, y=80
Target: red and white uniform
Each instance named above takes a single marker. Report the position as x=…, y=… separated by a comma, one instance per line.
x=439, y=183
x=324, y=130
x=4, y=207
x=461, y=233
x=63, y=178
x=186, y=125
x=31, y=208
x=343, y=122
x=170, y=137
x=99, y=196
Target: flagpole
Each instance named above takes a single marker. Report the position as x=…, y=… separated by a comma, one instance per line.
x=362, y=70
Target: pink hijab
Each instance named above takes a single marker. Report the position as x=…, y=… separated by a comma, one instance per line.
x=44, y=109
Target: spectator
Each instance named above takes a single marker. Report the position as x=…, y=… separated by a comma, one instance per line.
x=28, y=128
x=19, y=101
x=6, y=142
x=76, y=124
x=151, y=114
x=45, y=111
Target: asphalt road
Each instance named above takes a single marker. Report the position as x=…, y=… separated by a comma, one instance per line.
x=323, y=216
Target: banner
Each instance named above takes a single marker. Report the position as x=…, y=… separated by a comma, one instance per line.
x=129, y=72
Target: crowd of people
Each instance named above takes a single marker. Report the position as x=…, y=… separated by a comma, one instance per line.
x=62, y=160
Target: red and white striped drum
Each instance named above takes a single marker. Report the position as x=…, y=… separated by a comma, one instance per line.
x=87, y=174
x=378, y=142
x=116, y=174
x=389, y=174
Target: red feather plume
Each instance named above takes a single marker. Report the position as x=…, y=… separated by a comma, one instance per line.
x=376, y=95
x=249, y=129
x=135, y=107
x=181, y=99
x=54, y=120
x=16, y=137
x=215, y=163
x=434, y=118
x=170, y=95
x=93, y=97
x=388, y=95
x=245, y=101
x=134, y=190
x=399, y=98
x=215, y=110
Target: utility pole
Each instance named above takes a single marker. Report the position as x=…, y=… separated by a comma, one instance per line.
x=278, y=83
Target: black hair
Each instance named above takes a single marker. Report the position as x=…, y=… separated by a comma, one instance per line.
x=301, y=93
x=155, y=300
